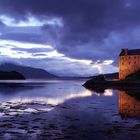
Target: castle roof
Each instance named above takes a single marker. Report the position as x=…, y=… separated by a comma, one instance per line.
x=130, y=52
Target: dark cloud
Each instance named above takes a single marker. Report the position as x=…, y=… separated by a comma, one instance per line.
x=79, y=15
x=25, y=37
x=92, y=29
x=32, y=50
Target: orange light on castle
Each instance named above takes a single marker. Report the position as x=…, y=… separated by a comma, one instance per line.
x=129, y=62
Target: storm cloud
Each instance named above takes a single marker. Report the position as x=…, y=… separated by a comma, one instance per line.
x=93, y=30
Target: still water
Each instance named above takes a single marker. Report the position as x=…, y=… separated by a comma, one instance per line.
x=63, y=109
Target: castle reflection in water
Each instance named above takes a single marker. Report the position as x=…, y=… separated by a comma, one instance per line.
x=129, y=106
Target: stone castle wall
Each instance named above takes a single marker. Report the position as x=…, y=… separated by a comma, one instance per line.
x=128, y=64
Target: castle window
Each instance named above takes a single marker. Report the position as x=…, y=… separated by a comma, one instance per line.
x=129, y=63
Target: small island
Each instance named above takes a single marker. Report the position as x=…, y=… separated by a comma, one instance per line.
x=12, y=75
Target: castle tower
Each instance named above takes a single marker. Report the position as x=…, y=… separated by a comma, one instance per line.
x=129, y=62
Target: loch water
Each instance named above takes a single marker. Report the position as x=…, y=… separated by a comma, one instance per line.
x=64, y=109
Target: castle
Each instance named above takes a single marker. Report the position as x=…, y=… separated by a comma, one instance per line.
x=129, y=62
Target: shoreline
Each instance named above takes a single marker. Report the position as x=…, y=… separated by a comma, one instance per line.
x=122, y=85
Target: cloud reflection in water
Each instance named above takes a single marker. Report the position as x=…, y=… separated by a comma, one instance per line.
x=27, y=105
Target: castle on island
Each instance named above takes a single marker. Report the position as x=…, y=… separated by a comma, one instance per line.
x=129, y=62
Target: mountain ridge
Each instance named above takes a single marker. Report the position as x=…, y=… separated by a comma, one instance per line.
x=27, y=71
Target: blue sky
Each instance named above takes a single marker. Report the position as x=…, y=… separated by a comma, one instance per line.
x=73, y=38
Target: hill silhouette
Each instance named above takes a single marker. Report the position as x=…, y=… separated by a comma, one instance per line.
x=107, y=76
x=12, y=75
x=27, y=72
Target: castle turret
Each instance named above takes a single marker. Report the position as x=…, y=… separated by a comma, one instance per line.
x=125, y=51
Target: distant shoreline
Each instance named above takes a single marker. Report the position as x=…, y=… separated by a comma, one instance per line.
x=122, y=85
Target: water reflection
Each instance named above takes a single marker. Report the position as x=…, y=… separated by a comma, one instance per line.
x=10, y=90
x=50, y=100
x=107, y=92
x=65, y=110
x=129, y=101
x=129, y=105
x=44, y=97
x=32, y=99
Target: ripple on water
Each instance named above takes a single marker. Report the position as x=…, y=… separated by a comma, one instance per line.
x=8, y=109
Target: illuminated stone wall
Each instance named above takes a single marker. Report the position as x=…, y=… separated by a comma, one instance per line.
x=128, y=106
x=128, y=64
